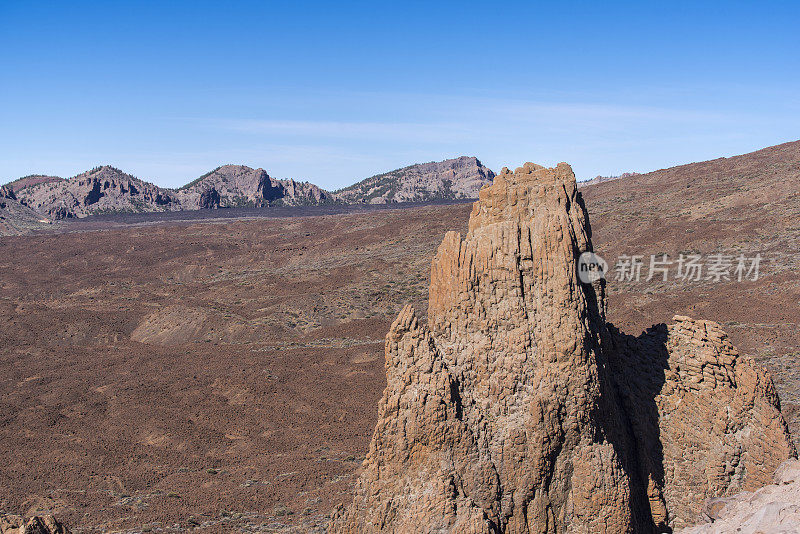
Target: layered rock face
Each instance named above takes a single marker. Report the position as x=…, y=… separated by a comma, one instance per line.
x=514, y=411
x=707, y=419
x=101, y=190
x=16, y=218
x=239, y=185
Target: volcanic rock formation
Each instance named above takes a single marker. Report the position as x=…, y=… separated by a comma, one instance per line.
x=15, y=217
x=518, y=409
x=450, y=179
x=239, y=185
x=100, y=190
x=47, y=524
x=773, y=509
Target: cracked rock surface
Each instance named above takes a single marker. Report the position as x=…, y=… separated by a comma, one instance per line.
x=517, y=409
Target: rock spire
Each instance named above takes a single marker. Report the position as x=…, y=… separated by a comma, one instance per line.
x=517, y=409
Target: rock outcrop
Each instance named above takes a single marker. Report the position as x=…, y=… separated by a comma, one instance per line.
x=16, y=218
x=7, y=193
x=239, y=185
x=46, y=524
x=450, y=179
x=773, y=509
x=707, y=418
x=602, y=179
x=101, y=190
x=517, y=409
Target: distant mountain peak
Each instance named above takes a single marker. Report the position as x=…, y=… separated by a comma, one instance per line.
x=99, y=190
x=455, y=178
x=240, y=185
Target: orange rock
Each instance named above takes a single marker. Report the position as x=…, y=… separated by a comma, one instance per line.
x=516, y=409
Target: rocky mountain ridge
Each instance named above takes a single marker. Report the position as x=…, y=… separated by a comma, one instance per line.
x=518, y=409
x=450, y=179
x=31, y=180
x=102, y=189
x=239, y=185
x=15, y=217
x=108, y=189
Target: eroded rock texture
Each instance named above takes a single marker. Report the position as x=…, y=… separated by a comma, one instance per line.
x=516, y=409
x=46, y=524
x=707, y=418
x=773, y=509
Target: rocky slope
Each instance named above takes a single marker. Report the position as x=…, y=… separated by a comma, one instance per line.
x=16, y=218
x=31, y=180
x=100, y=190
x=239, y=185
x=517, y=409
x=450, y=179
x=773, y=509
x=600, y=179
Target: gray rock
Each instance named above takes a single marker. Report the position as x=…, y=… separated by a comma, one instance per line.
x=443, y=180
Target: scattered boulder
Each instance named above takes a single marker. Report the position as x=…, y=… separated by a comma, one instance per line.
x=518, y=409
x=45, y=524
x=772, y=509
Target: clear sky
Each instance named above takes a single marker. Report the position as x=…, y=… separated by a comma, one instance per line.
x=333, y=92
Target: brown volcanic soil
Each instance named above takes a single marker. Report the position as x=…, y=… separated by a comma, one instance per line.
x=741, y=205
x=221, y=373
x=225, y=374
x=34, y=179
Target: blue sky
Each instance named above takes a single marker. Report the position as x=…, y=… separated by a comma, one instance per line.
x=333, y=92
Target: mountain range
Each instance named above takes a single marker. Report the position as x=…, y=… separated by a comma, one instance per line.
x=106, y=189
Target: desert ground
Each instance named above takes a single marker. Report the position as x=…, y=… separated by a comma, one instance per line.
x=164, y=375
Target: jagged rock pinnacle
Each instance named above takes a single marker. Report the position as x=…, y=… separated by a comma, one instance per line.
x=508, y=411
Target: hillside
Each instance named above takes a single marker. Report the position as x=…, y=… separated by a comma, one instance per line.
x=239, y=185
x=107, y=190
x=31, y=180
x=100, y=190
x=742, y=205
x=444, y=180
x=600, y=179
x=16, y=218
